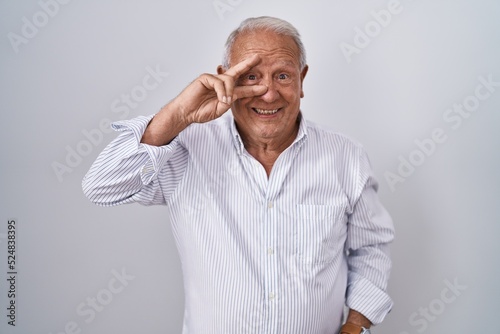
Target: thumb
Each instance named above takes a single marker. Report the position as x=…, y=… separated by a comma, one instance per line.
x=248, y=91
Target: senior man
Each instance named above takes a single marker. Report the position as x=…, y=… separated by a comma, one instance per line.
x=276, y=220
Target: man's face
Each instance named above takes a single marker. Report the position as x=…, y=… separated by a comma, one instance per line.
x=275, y=113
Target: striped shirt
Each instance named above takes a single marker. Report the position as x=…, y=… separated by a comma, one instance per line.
x=278, y=254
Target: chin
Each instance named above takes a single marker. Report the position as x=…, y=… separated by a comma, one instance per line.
x=268, y=131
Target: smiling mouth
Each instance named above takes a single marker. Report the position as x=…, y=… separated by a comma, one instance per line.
x=266, y=111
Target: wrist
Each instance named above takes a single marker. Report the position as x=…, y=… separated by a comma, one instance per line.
x=176, y=113
x=356, y=318
x=164, y=126
x=351, y=328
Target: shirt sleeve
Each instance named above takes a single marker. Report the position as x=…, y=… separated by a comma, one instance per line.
x=370, y=231
x=128, y=171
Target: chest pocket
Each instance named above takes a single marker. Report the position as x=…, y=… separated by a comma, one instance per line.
x=320, y=233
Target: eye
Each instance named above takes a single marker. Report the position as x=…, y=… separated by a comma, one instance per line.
x=283, y=76
x=247, y=79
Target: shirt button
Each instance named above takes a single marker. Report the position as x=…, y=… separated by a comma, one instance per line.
x=270, y=205
x=270, y=251
x=271, y=296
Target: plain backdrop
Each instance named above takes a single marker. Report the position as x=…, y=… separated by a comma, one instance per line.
x=67, y=69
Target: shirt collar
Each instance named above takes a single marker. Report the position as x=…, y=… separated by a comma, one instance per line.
x=240, y=147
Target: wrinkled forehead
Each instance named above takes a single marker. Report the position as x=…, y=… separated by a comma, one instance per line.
x=270, y=46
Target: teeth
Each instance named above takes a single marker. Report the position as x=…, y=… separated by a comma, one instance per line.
x=266, y=112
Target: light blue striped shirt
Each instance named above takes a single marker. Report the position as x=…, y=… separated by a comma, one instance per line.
x=282, y=254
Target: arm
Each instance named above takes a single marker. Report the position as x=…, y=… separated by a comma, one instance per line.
x=127, y=171
x=148, y=154
x=370, y=231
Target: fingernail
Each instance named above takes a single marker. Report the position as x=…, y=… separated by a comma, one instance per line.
x=224, y=99
x=229, y=98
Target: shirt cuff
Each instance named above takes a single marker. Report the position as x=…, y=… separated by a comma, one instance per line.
x=367, y=299
x=158, y=155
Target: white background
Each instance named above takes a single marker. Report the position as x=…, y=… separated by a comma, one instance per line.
x=62, y=80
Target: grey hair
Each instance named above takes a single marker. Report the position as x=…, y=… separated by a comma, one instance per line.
x=274, y=24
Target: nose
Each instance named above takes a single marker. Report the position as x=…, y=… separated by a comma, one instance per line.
x=272, y=93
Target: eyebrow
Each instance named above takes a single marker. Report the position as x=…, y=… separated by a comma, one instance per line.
x=288, y=63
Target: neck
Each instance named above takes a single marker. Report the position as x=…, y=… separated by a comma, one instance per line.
x=267, y=150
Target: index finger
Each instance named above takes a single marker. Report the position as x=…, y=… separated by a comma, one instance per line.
x=243, y=66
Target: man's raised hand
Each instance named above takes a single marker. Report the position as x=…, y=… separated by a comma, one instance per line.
x=205, y=99
x=210, y=96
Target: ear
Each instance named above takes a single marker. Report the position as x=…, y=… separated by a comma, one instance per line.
x=302, y=76
x=220, y=69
